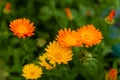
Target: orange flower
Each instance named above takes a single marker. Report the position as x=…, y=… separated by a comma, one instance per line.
x=112, y=74
x=22, y=28
x=110, y=18
x=7, y=7
x=89, y=35
x=111, y=15
x=68, y=38
x=88, y=13
x=68, y=13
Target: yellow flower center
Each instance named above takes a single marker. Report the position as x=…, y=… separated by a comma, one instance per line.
x=22, y=29
x=87, y=37
x=58, y=56
x=32, y=73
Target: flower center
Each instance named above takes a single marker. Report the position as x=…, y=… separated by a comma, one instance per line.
x=58, y=56
x=32, y=73
x=22, y=29
x=87, y=37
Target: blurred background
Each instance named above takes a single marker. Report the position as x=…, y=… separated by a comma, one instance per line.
x=48, y=17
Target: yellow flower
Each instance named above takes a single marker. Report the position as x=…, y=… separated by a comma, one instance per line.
x=68, y=38
x=31, y=71
x=89, y=35
x=58, y=54
x=43, y=62
x=22, y=27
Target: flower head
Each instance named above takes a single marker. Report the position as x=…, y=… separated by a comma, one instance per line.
x=89, y=35
x=7, y=7
x=88, y=13
x=43, y=62
x=58, y=54
x=68, y=38
x=31, y=71
x=110, y=18
x=68, y=13
x=111, y=15
x=112, y=74
x=22, y=28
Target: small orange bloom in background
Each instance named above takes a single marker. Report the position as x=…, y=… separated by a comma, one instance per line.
x=112, y=74
x=7, y=7
x=58, y=54
x=111, y=15
x=88, y=13
x=68, y=38
x=22, y=28
x=69, y=13
x=110, y=18
x=31, y=71
x=89, y=35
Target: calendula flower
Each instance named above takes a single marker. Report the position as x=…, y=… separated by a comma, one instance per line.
x=22, y=28
x=43, y=62
x=89, y=35
x=58, y=54
x=69, y=13
x=112, y=74
x=68, y=38
x=31, y=71
x=7, y=7
x=110, y=18
x=88, y=13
